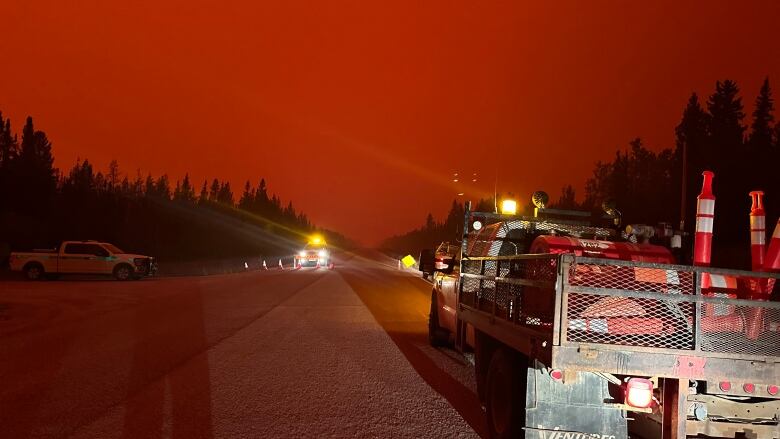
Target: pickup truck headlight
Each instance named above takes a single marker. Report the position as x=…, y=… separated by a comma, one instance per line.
x=322, y=253
x=302, y=253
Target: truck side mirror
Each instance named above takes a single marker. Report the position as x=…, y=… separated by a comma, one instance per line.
x=444, y=264
x=427, y=260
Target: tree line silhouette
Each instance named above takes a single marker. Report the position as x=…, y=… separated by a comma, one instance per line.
x=651, y=187
x=40, y=206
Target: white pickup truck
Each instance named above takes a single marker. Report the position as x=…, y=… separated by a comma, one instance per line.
x=83, y=257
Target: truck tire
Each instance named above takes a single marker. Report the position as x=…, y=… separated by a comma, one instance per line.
x=34, y=271
x=505, y=395
x=437, y=336
x=123, y=272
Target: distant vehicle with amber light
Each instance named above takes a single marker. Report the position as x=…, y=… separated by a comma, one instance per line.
x=314, y=254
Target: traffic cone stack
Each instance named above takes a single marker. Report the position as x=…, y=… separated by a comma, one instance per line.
x=705, y=215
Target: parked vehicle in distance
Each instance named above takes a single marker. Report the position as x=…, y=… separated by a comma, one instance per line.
x=83, y=257
x=439, y=259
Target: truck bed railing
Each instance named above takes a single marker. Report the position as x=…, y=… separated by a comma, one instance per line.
x=699, y=309
x=586, y=303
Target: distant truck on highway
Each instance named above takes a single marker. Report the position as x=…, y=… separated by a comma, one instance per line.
x=580, y=330
x=83, y=257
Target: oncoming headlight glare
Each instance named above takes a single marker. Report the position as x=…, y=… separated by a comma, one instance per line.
x=302, y=253
x=322, y=253
x=476, y=225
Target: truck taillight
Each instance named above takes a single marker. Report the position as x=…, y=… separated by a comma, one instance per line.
x=725, y=386
x=639, y=392
x=749, y=388
x=556, y=375
x=772, y=390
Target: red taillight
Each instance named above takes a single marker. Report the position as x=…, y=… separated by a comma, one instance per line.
x=725, y=386
x=749, y=388
x=639, y=392
x=772, y=390
x=556, y=375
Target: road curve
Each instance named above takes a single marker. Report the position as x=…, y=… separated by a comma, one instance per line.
x=260, y=354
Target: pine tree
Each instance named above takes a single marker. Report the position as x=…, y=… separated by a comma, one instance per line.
x=725, y=127
x=8, y=143
x=187, y=191
x=247, y=197
x=567, y=200
x=149, y=189
x=729, y=162
x=177, y=191
x=761, y=128
x=204, y=193
x=36, y=168
x=214, y=191
x=690, y=157
x=430, y=224
x=225, y=195
x=138, y=185
x=113, y=174
x=162, y=188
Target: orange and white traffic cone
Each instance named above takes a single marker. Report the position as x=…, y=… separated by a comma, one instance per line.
x=318, y=265
x=772, y=257
x=265, y=267
x=757, y=231
x=705, y=215
x=281, y=267
x=755, y=315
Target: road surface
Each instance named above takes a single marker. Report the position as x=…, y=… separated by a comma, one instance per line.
x=312, y=353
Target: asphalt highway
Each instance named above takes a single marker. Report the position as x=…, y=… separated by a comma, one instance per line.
x=308, y=353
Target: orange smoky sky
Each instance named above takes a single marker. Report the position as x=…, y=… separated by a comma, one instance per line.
x=360, y=111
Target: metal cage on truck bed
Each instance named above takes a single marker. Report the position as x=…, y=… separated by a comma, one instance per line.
x=615, y=316
x=621, y=317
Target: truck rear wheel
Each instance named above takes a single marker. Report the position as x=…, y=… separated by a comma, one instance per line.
x=437, y=336
x=34, y=271
x=505, y=395
x=123, y=272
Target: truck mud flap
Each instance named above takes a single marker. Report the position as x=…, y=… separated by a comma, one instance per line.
x=577, y=407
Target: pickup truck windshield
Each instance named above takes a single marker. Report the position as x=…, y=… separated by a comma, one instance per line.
x=113, y=249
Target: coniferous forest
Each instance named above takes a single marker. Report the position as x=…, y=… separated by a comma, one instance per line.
x=41, y=205
x=715, y=134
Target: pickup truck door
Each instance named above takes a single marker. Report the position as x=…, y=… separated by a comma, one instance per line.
x=448, y=284
x=81, y=258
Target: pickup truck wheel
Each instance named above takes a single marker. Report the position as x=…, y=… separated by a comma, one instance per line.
x=34, y=271
x=123, y=272
x=505, y=395
x=437, y=335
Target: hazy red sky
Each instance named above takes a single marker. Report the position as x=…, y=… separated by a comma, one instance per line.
x=359, y=111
